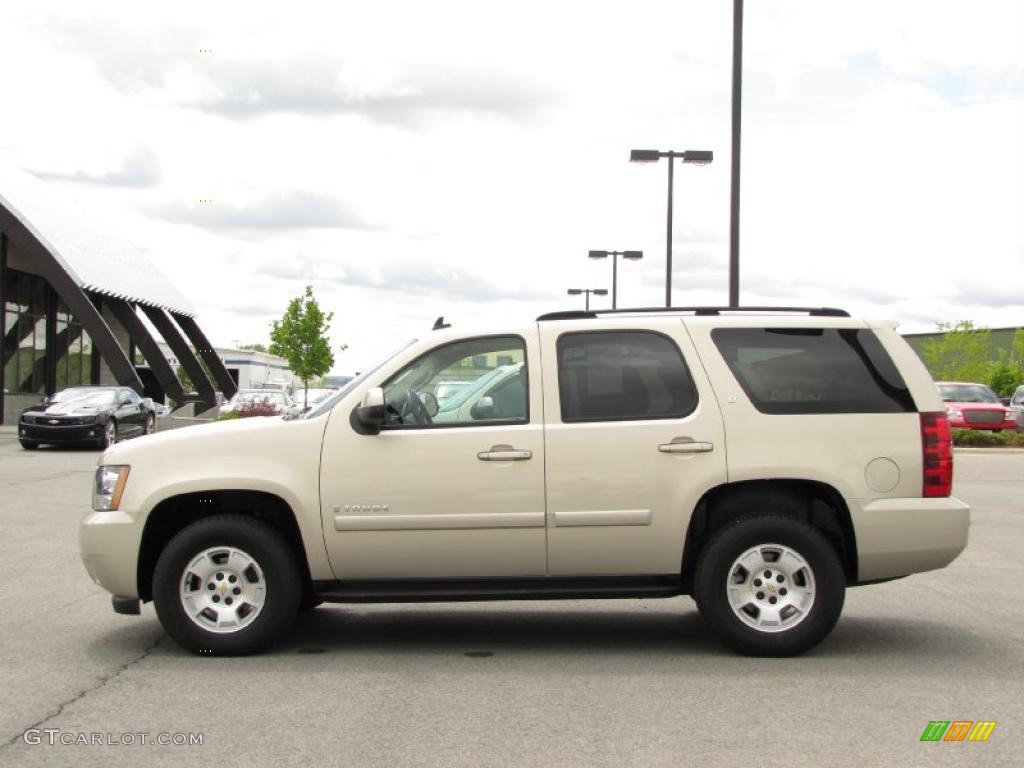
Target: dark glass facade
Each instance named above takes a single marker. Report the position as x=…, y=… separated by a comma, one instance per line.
x=36, y=321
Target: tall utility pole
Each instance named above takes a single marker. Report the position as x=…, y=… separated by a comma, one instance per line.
x=734, y=203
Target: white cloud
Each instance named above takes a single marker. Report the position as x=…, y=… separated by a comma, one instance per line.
x=460, y=158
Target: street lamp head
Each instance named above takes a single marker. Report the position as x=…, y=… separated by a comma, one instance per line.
x=633, y=255
x=698, y=156
x=598, y=254
x=644, y=156
x=600, y=291
x=575, y=291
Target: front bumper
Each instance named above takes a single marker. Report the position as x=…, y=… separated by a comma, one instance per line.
x=1010, y=424
x=109, y=545
x=45, y=433
x=897, y=537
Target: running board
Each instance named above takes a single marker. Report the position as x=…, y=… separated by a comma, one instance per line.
x=540, y=588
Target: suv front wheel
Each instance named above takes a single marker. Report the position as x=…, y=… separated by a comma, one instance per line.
x=770, y=585
x=226, y=585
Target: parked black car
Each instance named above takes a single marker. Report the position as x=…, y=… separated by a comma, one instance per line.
x=92, y=415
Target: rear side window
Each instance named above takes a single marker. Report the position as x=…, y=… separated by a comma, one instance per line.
x=622, y=375
x=814, y=370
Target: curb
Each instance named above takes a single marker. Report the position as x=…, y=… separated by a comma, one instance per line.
x=958, y=449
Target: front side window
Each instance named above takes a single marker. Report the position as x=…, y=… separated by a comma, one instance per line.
x=623, y=376
x=474, y=382
x=814, y=370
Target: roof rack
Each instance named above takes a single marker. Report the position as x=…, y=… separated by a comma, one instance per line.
x=580, y=314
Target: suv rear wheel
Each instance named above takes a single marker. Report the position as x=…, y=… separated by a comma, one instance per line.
x=226, y=585
x=770, y=585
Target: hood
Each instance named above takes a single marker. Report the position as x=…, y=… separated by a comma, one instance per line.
x=972, y=406
x=68, y=408
x=258, y=435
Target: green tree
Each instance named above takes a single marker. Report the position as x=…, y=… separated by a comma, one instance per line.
x=1004, y=378
x=256, y=347
x=300, y=337
x=960, y=354
x=1007, y=373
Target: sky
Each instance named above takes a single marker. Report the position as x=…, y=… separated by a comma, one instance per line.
x=410, y=160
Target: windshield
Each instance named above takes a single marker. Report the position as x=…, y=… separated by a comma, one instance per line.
x=77, y=393
x=313, y=396
x=967, y=393
x=327, y=403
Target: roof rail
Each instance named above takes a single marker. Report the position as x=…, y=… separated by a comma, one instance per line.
x=593, y=313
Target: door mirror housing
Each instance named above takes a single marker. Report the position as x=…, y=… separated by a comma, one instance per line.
x=483, y=409
x=368, y=417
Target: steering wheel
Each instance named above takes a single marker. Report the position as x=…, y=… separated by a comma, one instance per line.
x=414, y=407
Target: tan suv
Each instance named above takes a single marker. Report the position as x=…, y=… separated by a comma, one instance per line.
x=761, y=461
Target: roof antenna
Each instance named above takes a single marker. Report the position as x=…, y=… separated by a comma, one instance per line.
x=440, y=323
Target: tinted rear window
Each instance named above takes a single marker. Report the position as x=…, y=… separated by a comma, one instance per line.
x=622, y=376
x=814, y=370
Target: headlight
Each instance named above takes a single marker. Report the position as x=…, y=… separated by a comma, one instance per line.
x=955, y=413
x=28, y=419
x=108, y=487
x=86, y=420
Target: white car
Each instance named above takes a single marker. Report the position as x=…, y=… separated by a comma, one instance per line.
x=1017, y=406
x=761, y=462
x=279, y=399
x=305, y=399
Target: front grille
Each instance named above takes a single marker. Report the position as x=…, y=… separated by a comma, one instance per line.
x=60, y=421
x=984, y=417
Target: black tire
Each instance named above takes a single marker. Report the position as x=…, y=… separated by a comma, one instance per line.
x=714, y=570
x=282, y=582
x=309, y=603
x=105, y=441
x=29, y=445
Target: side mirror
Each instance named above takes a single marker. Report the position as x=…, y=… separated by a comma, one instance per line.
x=368, y=417
x=484, y=409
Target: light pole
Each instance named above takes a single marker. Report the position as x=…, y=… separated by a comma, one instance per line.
x=631, y=255
x=734, y=193
x=587, y=292
x=692, y=156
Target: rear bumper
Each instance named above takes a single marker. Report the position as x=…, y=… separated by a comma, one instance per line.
x=896, y=537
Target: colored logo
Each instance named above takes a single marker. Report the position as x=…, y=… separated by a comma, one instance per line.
x=958, y=730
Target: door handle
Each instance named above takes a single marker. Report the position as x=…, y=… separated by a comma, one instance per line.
x=505, y=453
x=685, y=445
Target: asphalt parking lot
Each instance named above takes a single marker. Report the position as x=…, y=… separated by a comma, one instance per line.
x=603, y=683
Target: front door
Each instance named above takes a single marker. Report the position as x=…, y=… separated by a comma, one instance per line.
x=634, y=438
x=453, y=486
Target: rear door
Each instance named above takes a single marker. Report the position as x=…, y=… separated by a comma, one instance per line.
x=633, y=438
